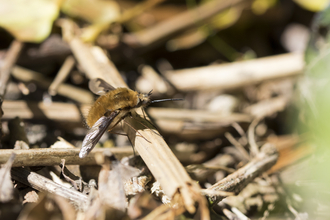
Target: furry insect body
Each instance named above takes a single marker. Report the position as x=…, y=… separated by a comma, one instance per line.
x=109, y=109
x=120, y=99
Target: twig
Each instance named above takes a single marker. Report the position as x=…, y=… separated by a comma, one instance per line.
x=177, y=23
x=268, y=107
x=137, y=10
x=236, y=181
x=187, y=124
x=11, y=57
x=95, y=63
x=52, y=111
x=238, y=74
x=192, y=167
x=238, y=145
x=196, y=115
x=41, y=183
x=74, y=93
x=51, y=157
x=211, y=193
x=254, y=149
x=71, y=113
x=222, y=160
x=61, y=75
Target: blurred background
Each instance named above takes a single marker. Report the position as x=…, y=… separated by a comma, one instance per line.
x=251, y=72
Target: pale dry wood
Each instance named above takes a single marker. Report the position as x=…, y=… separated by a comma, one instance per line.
x=61, y=75
x=137, y=10
x=95, y=63
x=187, y=124
x=11, y=57
x=44, y=184
x=162, y=163
x=151, y=80
x=236, y=181
x=51, y=157
x=6, y=185
x=72, y=92
x=196, y=115
x=238, y=146
x=221, y=160
x=5, y=70
x=178, y=23
x=238, y=74
x=57, y=110
x=267, y=107
x=52, y=111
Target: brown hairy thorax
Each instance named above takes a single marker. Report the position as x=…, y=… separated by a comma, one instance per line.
x=122, y=99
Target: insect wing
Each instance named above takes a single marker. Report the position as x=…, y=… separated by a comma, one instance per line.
x=95, y=133
x=99, y=86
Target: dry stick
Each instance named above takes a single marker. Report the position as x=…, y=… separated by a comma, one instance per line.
x=192, y=167
x=196, y=115
x=254, y=149
x=238, y=145
x=240, y=130
x=38, y=110
x=188, y=124
x=61, y=75
x=157, y=155
x=11, y=57
x=51, y=157
x=236, y=181
x=10, y=60
x=41, y=183
x=95, y=63
x=137, y=10
x=56, y=110
x=178, y=23
x=238, y=74
x=72, y=92
x=267, y=107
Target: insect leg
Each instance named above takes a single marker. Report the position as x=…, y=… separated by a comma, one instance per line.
x=136, y=131
x=147, y=121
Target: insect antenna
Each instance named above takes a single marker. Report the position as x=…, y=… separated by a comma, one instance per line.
x=165, y=100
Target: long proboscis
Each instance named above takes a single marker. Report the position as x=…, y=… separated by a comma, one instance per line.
x=165, y=100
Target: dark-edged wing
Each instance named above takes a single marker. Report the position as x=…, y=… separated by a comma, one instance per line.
x=95, y=133
x=99, y=86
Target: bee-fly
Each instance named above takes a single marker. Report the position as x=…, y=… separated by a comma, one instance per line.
x=109, y=109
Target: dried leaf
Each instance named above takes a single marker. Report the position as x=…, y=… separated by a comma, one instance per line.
x=91, y=10
x=29, y=21
x=6, y=185
x=31, y=196
x=111, y=184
